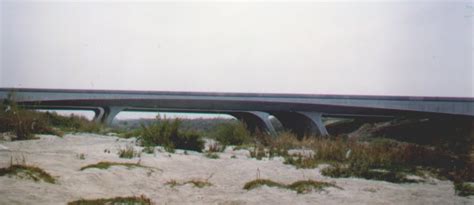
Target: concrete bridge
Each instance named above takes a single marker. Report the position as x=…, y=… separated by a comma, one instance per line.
x=300, y=113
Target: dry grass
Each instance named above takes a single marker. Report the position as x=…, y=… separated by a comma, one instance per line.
x=28, y=172
x=141, y=200
x=198, y=183
x=106, y=165
x=128, y=152
x=301, y=187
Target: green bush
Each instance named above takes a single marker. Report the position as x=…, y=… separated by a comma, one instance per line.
x=232, y=133
x=166, y=133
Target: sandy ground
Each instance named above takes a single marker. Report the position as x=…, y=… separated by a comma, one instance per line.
x=59, y=157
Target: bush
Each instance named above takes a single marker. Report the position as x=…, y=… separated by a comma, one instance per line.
x=166, y=133
x=232, y=133
x=24, y=123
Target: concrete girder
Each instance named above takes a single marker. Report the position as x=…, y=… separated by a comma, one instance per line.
x=256, y=120
x=302, y=123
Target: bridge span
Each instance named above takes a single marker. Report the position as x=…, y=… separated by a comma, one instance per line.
x=300, y=113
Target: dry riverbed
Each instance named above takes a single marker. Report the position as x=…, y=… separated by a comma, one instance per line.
x=64, y=157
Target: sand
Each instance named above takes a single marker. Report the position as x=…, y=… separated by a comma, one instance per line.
x=228, y=174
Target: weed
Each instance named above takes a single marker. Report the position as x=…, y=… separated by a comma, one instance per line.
x=106, y=165
x=463, y=189
x=211, y=155
x=258, y=152
x=28, y=172
x=306, y=186
x=128, y=152
x=195, y=182
x=261, y=182
x=366, y=173
x=141, y=200
x=301, y=187
x=81, y=156
x=215, y=147
x=149, y=150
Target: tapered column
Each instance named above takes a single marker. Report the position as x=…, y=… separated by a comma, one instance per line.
x=256, y=120
x=302, y=123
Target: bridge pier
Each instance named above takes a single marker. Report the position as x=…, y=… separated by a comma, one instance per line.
x=302, y=123
x=256, y=120
x=98, y=114
x=109, y=114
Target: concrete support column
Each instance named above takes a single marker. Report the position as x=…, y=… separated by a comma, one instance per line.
x=256, y=120
x=302, y=123
x=110, y=113
x=98, y=114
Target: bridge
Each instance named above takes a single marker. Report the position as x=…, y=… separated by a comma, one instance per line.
x=300, y=113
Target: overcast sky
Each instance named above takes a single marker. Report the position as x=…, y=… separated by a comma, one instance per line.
x=376, y=48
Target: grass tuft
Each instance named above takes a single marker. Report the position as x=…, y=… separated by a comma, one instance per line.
x=128, y=152
x=198, y=183
x=211, y=155
x=106, y=165
x=301, y=187
x=262, y=182
x=28, y=172
x=134, y=200
x=463, y=189
x=306, y=186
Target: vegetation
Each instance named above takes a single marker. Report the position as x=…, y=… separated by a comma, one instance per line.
x=301, y=187
x=198, y=183
x=106, y=165
x=141, y=200
x=373, y=158
x=261, y=182
x=232, y=133
x=25, y=123
x=27, y=172
x=128, y=152
x=166, y=133
x=464, y=189
x=73, y=123
x=211, y=155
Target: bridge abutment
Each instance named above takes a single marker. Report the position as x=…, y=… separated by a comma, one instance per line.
x=302, y=123
x=256, y=120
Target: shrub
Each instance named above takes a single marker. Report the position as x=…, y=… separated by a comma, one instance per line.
x=232, y=133
x=166, y=133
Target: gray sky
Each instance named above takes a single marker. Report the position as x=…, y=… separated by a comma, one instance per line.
x=375, y=48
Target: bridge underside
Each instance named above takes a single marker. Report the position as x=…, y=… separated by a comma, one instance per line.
x=301, y=114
